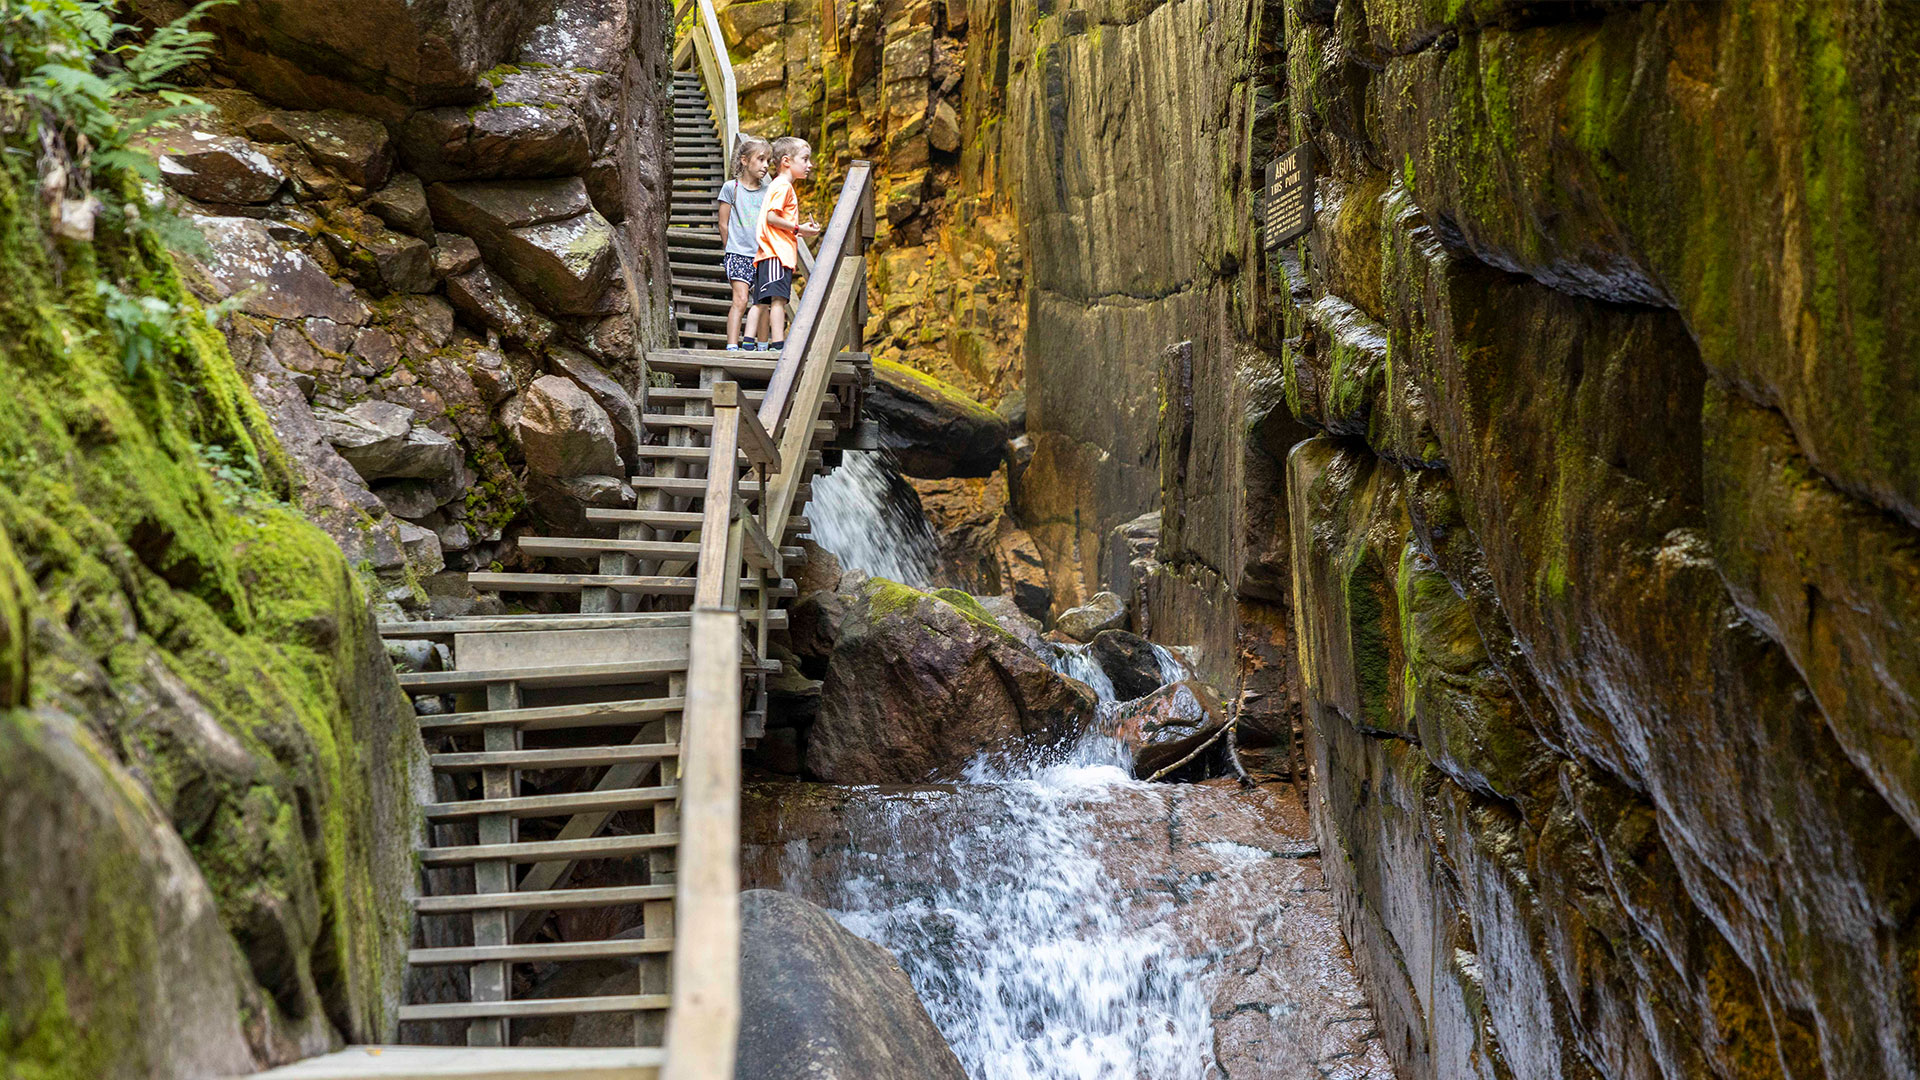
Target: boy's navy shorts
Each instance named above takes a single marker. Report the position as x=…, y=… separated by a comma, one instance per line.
x=739, y=267
x=771, y=281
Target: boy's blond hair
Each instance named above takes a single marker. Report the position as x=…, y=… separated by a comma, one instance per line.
x=785, y=147
x=744, y=149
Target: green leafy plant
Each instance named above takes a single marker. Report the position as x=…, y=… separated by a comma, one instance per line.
x=79, y=62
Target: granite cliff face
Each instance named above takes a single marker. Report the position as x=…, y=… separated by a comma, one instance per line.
x=1602, y=563
x=1557, y=490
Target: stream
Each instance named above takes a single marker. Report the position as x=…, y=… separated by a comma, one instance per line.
x=1060, y=919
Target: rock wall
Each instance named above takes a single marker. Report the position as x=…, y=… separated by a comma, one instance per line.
x=440, y=227
x=917, y=87
x=1603, y=559
x=206, y=815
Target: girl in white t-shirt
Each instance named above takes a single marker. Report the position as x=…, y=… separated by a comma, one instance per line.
x=741, y=202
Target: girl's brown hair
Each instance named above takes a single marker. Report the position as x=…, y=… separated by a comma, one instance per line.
x=746, y=146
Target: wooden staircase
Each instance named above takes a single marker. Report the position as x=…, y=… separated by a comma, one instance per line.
x=589, y=760
x=700, y=291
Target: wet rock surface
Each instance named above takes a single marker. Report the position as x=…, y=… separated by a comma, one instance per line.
x=933, y=428
x=915, y=685
x=1161, y=728
x=1221, y=886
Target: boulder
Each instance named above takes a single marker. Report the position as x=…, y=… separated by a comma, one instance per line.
x=1167, y=725
x=540, y=123
x=353, y=147
x=380, y=441
x=453, y=254
x=218, y=169
x=380, y=57
x=491, y=304
x=278, y=282
x=826, y=1004
x=378, y=258
x=932, y=428
x=1023, y=572
x=917, y=684
x=561, y=502
x=1013, y=618
x=1104, y=611
x=943, y=128
x=611, y=397
x=403, y=205
x=543, y=235
x=1130, y=662
x=563, y=432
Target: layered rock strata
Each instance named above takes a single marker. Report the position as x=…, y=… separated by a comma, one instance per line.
x=416, y=231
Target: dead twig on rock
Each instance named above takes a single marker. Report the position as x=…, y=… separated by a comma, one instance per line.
x=1214, y=738
x=1233, y=750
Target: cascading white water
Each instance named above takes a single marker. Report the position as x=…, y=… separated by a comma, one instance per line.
x=859, y=513
x=1028, y=957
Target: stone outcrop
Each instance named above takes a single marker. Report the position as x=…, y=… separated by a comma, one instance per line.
x=205, y=762
x=1102, y=612
x=431, y=222
x=915, y=685
x=932, y=428
x=826, y=1004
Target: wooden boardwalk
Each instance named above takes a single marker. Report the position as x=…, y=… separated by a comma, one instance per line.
x=589, y=760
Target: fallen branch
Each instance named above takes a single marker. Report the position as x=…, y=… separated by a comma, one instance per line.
x=1214, y=738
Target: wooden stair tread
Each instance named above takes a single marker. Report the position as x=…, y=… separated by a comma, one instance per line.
x=568, y=757
x=672, y=519
x=506, y=624
x=557, y=717
x=544, y=899
x=645, y=584
x=846, y=368
x=572, y=802
x=580, y=547
x=526, y=1007
x=476, y=1063
x=593, y=847
x=541, y=952
x=447, y=682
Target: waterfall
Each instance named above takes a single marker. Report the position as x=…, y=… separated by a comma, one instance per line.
x=870, y=519
x=996, y=897
x=1032, y=962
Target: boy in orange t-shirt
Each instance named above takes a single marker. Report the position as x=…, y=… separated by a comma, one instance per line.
x=780, y=228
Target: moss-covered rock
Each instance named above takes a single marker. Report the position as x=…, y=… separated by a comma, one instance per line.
x=220, y=660
x=916, y=685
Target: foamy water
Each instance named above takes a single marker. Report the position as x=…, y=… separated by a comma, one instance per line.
x=861, y=513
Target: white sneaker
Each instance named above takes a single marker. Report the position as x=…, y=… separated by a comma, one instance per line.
x=733, y=347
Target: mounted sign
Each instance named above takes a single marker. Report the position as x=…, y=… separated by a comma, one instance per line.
x=1289, y=196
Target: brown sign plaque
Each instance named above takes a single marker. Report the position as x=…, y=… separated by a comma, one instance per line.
x=1289, y=196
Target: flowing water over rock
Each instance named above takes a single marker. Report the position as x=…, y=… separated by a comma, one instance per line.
x=1063, y=921
x=871, y=521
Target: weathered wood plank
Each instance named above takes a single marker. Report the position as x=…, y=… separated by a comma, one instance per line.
x=475, y=1063
x=641, y=584
x=449, y=682
x=542, y=952
x=706, y=960
x=573, y=802
x=525, y=1007
x=760, y=552
x=552, y=717
x=595, y=847
x=559, y=758
x=542, y=899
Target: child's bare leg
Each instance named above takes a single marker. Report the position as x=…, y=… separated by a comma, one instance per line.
x=753, y=319
x=778, y=326
x=740, y=308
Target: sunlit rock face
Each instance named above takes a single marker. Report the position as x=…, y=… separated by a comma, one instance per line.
x=1602, y=571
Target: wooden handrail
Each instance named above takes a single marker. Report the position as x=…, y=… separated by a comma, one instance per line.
x=847, y=234
x=703, y=1022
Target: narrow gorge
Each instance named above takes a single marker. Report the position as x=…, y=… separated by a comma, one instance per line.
x=1469, y=636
